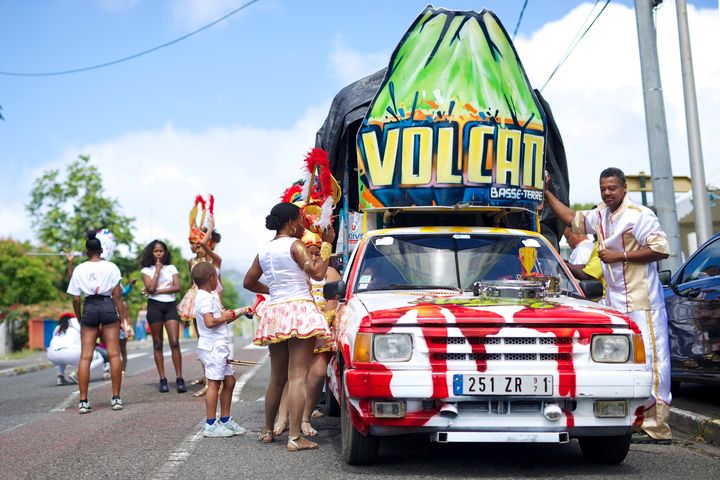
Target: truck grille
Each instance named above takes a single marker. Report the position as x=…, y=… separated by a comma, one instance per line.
x=501, y=340
x=511, y=357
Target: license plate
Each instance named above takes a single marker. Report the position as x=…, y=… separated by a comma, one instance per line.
x=502, y=384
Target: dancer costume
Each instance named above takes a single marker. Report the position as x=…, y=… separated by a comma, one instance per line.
x=634, y=288
x=291, y=310
x=327, y=344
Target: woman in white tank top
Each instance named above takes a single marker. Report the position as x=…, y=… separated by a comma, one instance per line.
x=291, y=322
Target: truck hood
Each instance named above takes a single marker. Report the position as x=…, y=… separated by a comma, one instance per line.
x=443, y=308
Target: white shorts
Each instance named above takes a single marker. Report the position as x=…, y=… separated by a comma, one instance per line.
x=215, y=361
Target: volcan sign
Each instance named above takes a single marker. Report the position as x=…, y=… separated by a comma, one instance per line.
x=455, y=122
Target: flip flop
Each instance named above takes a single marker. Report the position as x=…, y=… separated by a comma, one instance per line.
x=294, y=444
x=307, y=429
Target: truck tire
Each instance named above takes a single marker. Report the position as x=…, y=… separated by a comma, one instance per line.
x=332, y=407
x=357, y=449
x=605, y=450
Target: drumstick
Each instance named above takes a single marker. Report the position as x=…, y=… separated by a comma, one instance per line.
x=244, y=363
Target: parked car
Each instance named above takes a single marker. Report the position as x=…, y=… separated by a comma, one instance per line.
x=470, y=334
x=692, y=299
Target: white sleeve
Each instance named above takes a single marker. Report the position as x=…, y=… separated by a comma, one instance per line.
x=584, y=222
x=648, y=233
x=172, y=270
x=73, y=287
x=115, y=275
x=206, y=305
x=149, y=271
x=74, y=324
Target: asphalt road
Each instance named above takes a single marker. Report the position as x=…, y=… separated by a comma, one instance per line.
x=157, y=436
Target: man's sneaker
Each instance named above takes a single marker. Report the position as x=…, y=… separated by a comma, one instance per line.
x=61, y=380
x=73, y=376
x=84, y=407
x=116, y=403
x=180, y=384
x=644, y=438
x=217, y=430
x=234, y=427
x=163, y=385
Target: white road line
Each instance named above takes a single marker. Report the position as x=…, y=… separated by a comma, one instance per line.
x=177, y=458
x=261, y=399
x=12, y=428
x=243, y=380
x=137, y=355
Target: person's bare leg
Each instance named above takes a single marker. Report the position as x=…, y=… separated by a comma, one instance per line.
x=282, y=416
x=211, y=398
x=314, y=383
x=278, y=377
x=300, y=357
x=173, y=331
x=88, y=338
x=156, y=331
x=226, y=395
x=111, y=335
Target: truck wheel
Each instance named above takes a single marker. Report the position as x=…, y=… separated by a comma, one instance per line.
x=357, y=449
x=605, y=450
x=332, y=407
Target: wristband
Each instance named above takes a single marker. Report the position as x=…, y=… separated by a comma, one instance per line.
x=325, y=251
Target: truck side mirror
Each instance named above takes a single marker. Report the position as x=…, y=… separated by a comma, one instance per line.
x=592, y=288
x=335, y=290
x=664, y=276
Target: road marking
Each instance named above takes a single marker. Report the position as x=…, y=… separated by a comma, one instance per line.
x=243, y=380
x=177, y=457
x=12, y=428
x=261, y=399
x=137, y=355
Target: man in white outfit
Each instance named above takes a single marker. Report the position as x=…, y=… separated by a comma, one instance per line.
x=633, y=242
x=581, y=246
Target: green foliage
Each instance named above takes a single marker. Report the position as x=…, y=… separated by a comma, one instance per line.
x=230, y=295
x=583, y=206
x=24, y=279
x=63, y=211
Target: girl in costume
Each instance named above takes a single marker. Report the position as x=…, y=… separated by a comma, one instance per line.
x=161, y=281
x=65, y=347
x=99, y=281
x=291, y=323
x=203, y=239
x=323, y=350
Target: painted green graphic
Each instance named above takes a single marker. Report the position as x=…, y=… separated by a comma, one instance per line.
x=455, y=120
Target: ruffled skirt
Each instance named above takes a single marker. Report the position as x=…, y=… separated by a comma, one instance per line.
x=186, y=307
x=281, y=321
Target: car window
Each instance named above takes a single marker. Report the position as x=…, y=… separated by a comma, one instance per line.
x=452, y=261
x=706, y=263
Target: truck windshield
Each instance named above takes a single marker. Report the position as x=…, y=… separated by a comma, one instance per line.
x=452, y=261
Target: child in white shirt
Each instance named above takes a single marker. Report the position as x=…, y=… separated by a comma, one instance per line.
x=214, y=351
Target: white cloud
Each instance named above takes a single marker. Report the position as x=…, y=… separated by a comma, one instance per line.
x=196, y=13
x=348, y=65
x=596, y=96
x=155, y=176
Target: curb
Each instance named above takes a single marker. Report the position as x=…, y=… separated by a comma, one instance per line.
x=699, y=426
x=11, y=372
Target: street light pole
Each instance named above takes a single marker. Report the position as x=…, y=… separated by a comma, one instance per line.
x=701, y=202
x=660, y=166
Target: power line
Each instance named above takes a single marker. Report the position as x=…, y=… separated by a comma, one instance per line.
x=517, y=26
x=577, y=39
x=131, y=57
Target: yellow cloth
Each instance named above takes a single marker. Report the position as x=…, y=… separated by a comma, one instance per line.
x=593, y=267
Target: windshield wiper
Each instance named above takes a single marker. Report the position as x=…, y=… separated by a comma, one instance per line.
x=406, y=286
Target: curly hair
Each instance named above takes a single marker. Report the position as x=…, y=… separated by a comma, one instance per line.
x=148, y=259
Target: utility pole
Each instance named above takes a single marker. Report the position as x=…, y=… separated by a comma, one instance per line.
x=701, y=202
x=660, y=167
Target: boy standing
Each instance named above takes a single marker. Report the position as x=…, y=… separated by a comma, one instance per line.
x=214, y=351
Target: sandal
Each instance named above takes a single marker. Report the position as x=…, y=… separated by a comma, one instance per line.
x=307, y=429
x=266, y=436
x=317, y=414
x=201, y=392
x=279, y=427
x=299, y=443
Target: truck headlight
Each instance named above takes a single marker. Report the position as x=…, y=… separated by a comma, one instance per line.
x=392, y=347
x=610, y=348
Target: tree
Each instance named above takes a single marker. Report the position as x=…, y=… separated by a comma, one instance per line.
x=23, y=280
x=63, y=211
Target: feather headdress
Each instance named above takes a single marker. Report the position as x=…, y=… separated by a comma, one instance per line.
x=203, y=208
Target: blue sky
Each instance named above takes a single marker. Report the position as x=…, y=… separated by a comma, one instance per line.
x=202, y=115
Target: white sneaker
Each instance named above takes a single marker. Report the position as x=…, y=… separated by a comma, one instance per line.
x=216, y=430
x=116, y=403
x=234, y=427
